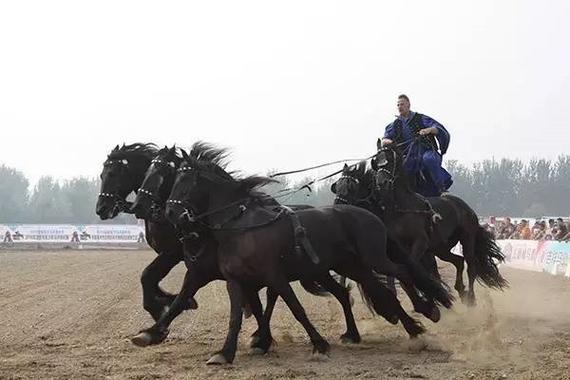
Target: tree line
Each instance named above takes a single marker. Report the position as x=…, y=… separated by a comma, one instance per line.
x=492, y=187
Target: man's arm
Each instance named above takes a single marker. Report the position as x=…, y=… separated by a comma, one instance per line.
x=432, y=127
x=389, y=134
x=438, y=130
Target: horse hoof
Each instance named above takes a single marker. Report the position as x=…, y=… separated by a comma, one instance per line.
x=393, y=319
x=416, y=344
x=347, y=339
x=142, y=339
x=318, y=357
x=192, y=304
x=257, y=351
x=217, y=359
x=435, y=315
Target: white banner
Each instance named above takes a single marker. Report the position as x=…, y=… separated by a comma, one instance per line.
x=62, y=233
x=107, y=233
x=43, y=232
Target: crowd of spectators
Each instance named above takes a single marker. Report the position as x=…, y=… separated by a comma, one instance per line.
x=553, y=229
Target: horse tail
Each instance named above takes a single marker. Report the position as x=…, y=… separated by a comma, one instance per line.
x=314, y=288
x=486, y=253
x=366, y=299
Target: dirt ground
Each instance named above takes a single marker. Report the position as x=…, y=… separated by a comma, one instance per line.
x=69, y=314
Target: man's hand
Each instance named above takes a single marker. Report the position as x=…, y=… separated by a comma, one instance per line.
x=386, y=141
x=428, y=131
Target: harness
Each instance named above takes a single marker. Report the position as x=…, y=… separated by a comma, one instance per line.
x=392, y=177
x=415, y=124
x=302, y=242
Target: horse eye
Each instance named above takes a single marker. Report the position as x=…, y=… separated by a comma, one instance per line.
x=171, y=164
x=124, y=162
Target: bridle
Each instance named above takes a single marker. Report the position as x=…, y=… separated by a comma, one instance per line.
x=120, y=202
x=391, y=175
x=153, y=196
x=365, y=199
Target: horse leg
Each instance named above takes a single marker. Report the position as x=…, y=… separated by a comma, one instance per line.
x=421, y=305
x=228, y=352
x=281, y=286
x=271, y=297
x=159, y=331
x=261, y=339
x=425, y=307
x=342, y=295
x=459, y=263
x=468, y=245
x=384, y=302
x=155, y=300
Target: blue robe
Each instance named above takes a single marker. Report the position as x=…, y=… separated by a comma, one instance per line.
x=421, y=160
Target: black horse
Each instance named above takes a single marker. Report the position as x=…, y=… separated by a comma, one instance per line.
x=149, y=204
x=123, y=173
x=424, y=226
x=256, y=247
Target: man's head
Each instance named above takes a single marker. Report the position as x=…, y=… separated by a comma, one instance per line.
x=403, y=105
x=560, y=222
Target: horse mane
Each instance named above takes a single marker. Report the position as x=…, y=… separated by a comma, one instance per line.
x=148, y=150
x=204, y=152
x=207, y=157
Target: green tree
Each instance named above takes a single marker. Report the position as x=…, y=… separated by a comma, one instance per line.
x=13, y=195
x=48, y=203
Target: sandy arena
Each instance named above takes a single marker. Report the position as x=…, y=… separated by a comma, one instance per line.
x=69, y=314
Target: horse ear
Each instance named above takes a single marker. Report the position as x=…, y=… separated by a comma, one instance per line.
x=184, y=154
x=116, y=148
x=362, y=167
x=345, y=168
x=333, y=188
x=373, y=164
x=379, y=144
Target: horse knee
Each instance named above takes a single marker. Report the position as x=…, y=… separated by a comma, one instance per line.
x=147, y=276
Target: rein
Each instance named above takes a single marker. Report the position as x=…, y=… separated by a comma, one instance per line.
x=319, y=166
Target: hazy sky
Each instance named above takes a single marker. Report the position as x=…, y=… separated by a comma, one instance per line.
x=284, y=84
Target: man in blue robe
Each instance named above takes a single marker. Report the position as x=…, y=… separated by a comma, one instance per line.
x=423, y=141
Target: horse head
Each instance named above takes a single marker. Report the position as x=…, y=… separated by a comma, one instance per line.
x=351, y=187
x=157, y=183
x=123, y=172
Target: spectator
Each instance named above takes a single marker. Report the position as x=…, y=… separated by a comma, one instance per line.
x=550, y=230
x=562, y=230
x=507, y=229
x=535, y=229
x=525, y=233
x=541, y=232
x=567, y=237
x=518, y=231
